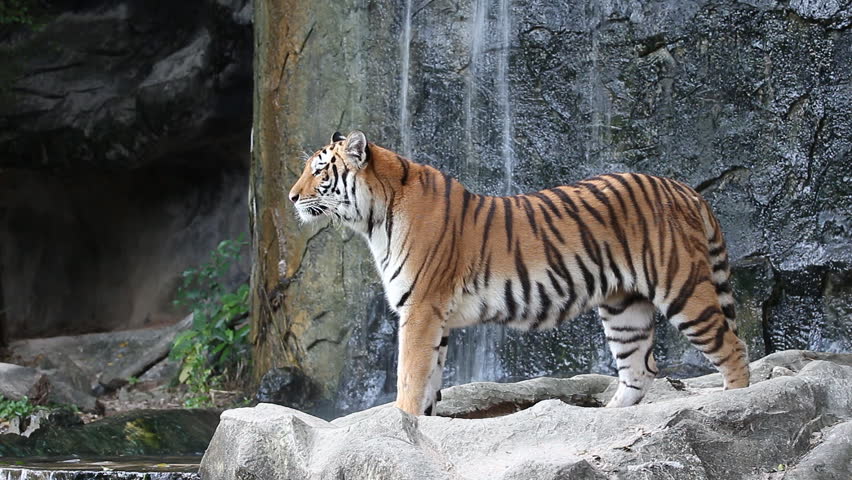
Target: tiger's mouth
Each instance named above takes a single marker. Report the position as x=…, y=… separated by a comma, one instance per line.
x=310, y=211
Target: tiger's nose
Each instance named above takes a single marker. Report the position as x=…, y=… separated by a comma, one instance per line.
x=294, y=197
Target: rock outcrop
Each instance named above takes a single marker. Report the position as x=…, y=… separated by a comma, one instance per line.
x=750, y=102
x=124, y=130
x=794, y=419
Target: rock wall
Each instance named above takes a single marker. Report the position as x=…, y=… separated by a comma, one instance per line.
x=124, y=132
x=750, y=102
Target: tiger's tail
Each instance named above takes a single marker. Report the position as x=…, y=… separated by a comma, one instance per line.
x=720, y=275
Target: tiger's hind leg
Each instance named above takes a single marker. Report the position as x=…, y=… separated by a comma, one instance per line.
x=702, y=319
x=628, y=322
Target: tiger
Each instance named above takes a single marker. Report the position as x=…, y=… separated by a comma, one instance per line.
x=628, y=244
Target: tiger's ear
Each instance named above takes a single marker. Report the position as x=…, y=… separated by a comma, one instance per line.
x=356, y=149
x=337, y=137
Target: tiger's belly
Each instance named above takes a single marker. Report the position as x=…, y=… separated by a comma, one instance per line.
x=536, y=302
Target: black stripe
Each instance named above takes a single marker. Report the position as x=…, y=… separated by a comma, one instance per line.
x=634, y=338
x=720, y=266
x=465, y=203
x=587, y=277
x=723, y=288
x=686, y=291
x=445, y=341
x=447, y=199
x=717, y=251
x=555, y=284
x=619, y=280
x=523, y=274
x=673, y=263
x=528, y=208
x=544, y=301
x=634, y=387
x=488, y=219
x=623, y=355
x=404, y=163
x=718, y=339
x=550, y=225
x=370, y=222
x=593, y=211
x=705, y=315
x=648, y=362
x=511, y=306
x=729, y=311
x=478, y=207
x=552, y=206
x=566, y=199
x=404, y=298
x=399, y=269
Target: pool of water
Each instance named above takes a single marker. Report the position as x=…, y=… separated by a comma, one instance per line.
x=124, y=468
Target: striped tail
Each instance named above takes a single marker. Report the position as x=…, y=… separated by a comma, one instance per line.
x=720, y=267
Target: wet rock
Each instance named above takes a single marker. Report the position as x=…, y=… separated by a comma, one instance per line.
x=17, y=382
x=42, y=419
x=141, y=432
x=287, y=386
x=696, y=433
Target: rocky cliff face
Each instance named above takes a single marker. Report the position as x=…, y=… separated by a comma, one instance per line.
x=124, y=133
x=750, y=102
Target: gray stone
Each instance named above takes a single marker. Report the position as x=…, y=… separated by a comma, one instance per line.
x=78, y=367
x=286, y=386
x=696, y=433
x=830, y=459
x=17, y=382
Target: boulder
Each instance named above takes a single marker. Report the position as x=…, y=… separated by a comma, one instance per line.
x=798, y=423
x=80, y=367
x=139, y=433
x=286, y=386
x=17, y=382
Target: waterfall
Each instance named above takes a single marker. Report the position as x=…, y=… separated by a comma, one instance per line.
x=477, y=29
x=505, y=24
x=405, y=54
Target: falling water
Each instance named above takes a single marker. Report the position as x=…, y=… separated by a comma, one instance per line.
x=505, y=22
x=477, y=29
x=474, y=352
x=405, y=53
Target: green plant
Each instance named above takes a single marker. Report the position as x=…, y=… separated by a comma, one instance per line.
x=216, y=346
x=10, y=409
x=16, y=12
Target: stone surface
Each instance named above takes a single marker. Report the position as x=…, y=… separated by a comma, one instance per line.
x=750, y=102
x=136, y=433
x=17, y=382
x=124, y=131
x=286, y=386
x=699, y=432
x=80, y=367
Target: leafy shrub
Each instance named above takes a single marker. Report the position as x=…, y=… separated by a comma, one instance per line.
x=10, y=409
x=215, y=349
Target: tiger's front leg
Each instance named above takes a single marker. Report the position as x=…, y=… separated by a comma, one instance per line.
x=422, y=349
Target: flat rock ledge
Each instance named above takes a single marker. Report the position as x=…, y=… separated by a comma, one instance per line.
x=794, y=422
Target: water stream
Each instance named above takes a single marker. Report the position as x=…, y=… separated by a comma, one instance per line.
x=122, y=468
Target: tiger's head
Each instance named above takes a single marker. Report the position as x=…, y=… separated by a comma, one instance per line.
x=329, y=181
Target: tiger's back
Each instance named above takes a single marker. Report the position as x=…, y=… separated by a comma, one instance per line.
x=625, y=243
